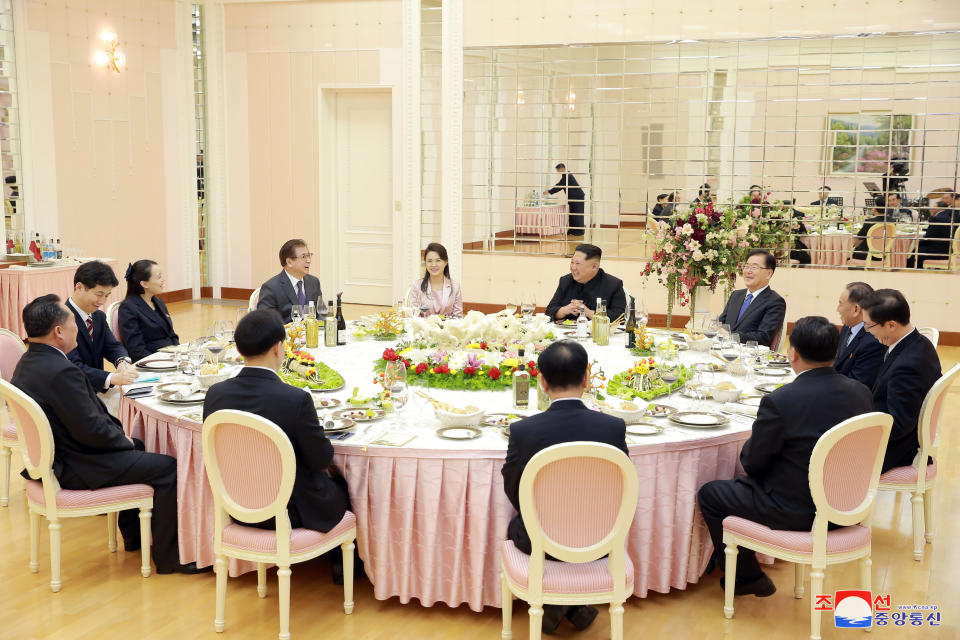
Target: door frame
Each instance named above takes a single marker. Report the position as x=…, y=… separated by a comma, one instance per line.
x=331, y=244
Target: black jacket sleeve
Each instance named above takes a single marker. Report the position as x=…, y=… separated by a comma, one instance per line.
x=130, y=331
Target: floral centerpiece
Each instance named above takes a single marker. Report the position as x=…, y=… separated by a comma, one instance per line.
x=387, y=325
x=476, y=327
x=770, y=222
x=478, y=366
x=701, y=247
x=643, y=342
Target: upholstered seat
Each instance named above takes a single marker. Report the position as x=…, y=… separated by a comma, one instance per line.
x=562, y=577
x=907, y=475
x=843, y=540
x=238, y=536
x=72, y=499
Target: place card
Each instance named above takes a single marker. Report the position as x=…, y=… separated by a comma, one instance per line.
x=394, y=439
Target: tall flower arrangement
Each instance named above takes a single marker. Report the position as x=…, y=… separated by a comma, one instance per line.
x=700, y=247
x=770, y=222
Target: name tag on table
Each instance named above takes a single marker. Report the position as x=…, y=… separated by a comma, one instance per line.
x=394, y=439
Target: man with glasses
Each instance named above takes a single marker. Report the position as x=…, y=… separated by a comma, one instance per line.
x=910, y=368
x=757, y=312
x=293, y=285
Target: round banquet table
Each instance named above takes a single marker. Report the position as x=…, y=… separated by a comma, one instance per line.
x=431, y=513
x=546, y=220
x=834, y=249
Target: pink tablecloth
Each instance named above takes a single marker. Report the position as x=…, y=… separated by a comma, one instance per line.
x=20, y=286
x=834, y=248
x=429, y=522
x=541, y=221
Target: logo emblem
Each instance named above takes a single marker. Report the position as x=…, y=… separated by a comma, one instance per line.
x=852, y=609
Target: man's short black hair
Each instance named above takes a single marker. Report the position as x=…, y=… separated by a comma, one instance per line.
x=258, y=331
x=769, y=261
x=885, y=305
x=42, y=314
x=95, y=273
x=857, y=291
x=825, y=188
x=289, y=250
x=563, y=364
x=756, y=186
x=660, y=196
x=589, y=251
x=560, y=166
x=815, y=339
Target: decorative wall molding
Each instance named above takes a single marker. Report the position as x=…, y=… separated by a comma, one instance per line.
x=451, y=133
x=411, y=201
x=215, y=155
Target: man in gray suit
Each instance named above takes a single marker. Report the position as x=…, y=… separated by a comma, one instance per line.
x=293, y=285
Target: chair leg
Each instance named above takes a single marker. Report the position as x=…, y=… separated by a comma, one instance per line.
x=506, y=608
x=5, y=481
x=54, y=528
x=866, y=579
x=928, y=514
x=616, y=621
x=729, y=579
x=536, y=621
x=798, y=581
x=112, y=531
x=146, y=517
x=283, y=580
x=261, y=580
x=347, y=551
x=816, y=586
x=34, y=541
x=220, y=565
x=917, y=503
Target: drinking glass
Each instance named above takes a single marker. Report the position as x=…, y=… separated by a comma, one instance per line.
x=217, y=330
x=423, y=309
x=528, y=304
x=712, y=328
x=296, y=314
x=750, y=357
x=511, y=305
x=419, y=386
x=670, y=369
x=642, y=317
x=705, y=379
x=735, y=338
x=215, y=347
x=724, y=333
x=196, y=357
x=730, y=351
x=227, y=330
x=322, y=310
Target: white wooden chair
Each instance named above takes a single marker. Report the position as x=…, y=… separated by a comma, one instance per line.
x=234, y=444
x=880, y=239
x=844, y=471
x=113, y=321
x=930, y=333
x=11, y=348
x=578, y=500
x=909, y=478
x=952, y=261
x=254, y=299
x=46, y=498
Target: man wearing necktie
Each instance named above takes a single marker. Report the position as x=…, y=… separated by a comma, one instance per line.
x=293, y=285
x=757, y=312
x=910, y=367
x=859, y=355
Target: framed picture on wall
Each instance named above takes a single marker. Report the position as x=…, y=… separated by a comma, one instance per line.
x=864, y=143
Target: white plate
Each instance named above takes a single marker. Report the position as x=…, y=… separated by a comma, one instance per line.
x=340, y=424
x=773, y=372
x=196, y=397
x=750, y=401
x=321, y=402
x=644, y=429
x=458, y=433
x=360, y=415
x=699, y=419
x=158, y=365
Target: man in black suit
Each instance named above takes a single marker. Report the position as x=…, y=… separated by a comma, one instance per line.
x=859, y=355
x=563, y=377
x=825, y=199
x=92, y=284
x=881, y=215
x=319, y=499
x=586, y=282
x=575, y=199
x=909, y=369
x=293, y=285
x=90, y=448
x=936, y=241
x=776, y=490
x=757, y=312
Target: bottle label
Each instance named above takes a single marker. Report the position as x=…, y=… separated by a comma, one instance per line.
x=521, y=391
x=341, y=336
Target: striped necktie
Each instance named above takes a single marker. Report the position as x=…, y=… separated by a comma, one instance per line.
x=90, y=327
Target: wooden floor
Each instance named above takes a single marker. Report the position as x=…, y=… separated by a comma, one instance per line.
x=104, y=597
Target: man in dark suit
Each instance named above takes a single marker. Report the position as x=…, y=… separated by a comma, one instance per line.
x=319, y=500
x=293, y=285
x=90, y=448
x=92, y=284
x=563, y=376
x=909, y=369
x=586, y=282
x=825, y=198
x=880, y=216
x=575, y=199
x=859, y=355
x=757, y=312
x=776, y=490
x=936, y=241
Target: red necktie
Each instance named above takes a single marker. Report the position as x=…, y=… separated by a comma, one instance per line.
x=90, y=327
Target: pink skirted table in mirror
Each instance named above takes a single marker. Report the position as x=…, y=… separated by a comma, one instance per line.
x=542, y=221
x=20, y=285
x=833, y=249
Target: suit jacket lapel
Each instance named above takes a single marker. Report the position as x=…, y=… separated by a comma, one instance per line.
x=754, y=305
x=287, y=286
x=83, y=333
x=893, y=355
x=843, y=349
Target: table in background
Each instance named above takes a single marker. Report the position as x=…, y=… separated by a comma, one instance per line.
x=431, y=515
x=20, y=285
x=541, y=221
x=833, y=249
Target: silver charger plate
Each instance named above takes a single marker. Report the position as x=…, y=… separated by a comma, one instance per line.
x=326, y=403
x=699, y=419
x=359, y=415
x=339, y=424
x=660, y=411
x=157, y=365
x=767, y=387
x=644, y=429
x=458, y=433
x=196, y=397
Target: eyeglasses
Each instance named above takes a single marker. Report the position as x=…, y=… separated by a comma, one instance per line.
x=871, y=326
x=749, y=268
x=304, y=256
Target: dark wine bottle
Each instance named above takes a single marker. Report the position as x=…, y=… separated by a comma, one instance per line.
x=631, y=325
x=341, y=323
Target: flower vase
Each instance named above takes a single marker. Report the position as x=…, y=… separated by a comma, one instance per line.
x=699, y=307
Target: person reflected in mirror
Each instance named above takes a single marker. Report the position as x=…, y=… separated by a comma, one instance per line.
x=575, y=199
x=943, y=226
x=880, y=215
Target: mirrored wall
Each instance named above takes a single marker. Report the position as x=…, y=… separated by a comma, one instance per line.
x=13, y=215
x=861, y=116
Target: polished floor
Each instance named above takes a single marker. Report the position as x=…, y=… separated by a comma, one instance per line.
x=104, y=597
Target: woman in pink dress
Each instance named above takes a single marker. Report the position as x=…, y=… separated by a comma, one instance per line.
x=436, y=292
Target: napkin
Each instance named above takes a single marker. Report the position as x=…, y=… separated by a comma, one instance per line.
x=741, y=409
x=183, y=394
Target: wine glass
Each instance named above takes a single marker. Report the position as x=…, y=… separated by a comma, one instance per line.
x=712, y=328
x=217, y=330
x=750, y=357
x=215, y=347
x=423, y=309
x=730, y=351
x=296, y=314
x=528, y=304
x=322, y=310
x=724, y=333
x=227, y=331
x=670, y=369
x=511, y=306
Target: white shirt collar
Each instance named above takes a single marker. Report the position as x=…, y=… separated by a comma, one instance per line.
x=294, y=282
x=855, y=329
x=757, y=292
x=562, y=399
x=893, y=346
x=83, y=314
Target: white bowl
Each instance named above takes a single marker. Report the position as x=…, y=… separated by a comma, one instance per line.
x=725, y=395
x=448, y=419
x=700, y=345
x=629, y=416
x=208, y=380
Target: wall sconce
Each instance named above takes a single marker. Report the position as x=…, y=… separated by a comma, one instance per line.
x=571, y=97
x=110, y=56
x=520, y=98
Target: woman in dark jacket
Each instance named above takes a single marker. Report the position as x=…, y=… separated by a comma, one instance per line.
x=145, y=324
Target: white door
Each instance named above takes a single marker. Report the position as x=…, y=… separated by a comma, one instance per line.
x=364, y=195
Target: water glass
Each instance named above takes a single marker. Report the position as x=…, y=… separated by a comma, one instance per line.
x=750, y=357
x=296, y=314
x=419, y=386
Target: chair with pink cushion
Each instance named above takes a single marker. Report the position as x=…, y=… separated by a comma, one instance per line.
x=46, y=498
x=930, y=333
x=578, y=500
x=234, y=444
x=880, y=240
x=113, y=319
x=921, y=485
x=11, y=348
x=844, y=472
